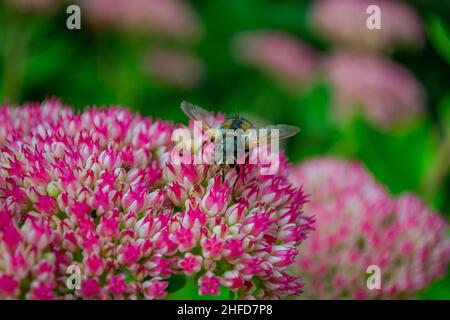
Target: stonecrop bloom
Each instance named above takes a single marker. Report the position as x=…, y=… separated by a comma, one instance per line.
x=359, y=225
x=278, y=55
x=169, y=18
x=384, y=92
x=97, y=190
x=344, y=22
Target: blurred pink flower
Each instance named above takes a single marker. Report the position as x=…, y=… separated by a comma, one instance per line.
x=278, y=55
x=176, y=68
x=168, y=18
x=358, y=225
x=97, y=190
x=386, y=92
x=344, y=22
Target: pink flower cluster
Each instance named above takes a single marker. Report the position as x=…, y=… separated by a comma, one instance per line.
x=359, y=225
x=97, y=190
x=170, y=18
x=383, y=91
x=345, y=22
x=277, y=54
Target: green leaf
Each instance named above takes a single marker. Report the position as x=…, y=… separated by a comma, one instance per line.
x=176, y=282
x=438, y=290
x=398, y=159
x=128, y=276
x=190, y=292
x=439, y=35
x=444, y=112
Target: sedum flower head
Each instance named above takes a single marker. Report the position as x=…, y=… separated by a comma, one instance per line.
x=345, y=22
x=279, y=55
x=384, y=92
x=97, y=190
x=169, y=18
x=359, y=225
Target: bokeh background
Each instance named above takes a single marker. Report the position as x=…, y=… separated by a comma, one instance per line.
x=379, y=96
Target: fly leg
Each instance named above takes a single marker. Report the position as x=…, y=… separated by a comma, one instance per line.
x=223, y=175
x=207, y=166
x=247, y=160
x=205, y=174
x=221, y=170
x=238, y=171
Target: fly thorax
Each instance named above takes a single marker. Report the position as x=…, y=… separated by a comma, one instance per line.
x=230, y=146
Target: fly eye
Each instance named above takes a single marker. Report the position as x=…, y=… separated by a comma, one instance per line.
x=213, y=139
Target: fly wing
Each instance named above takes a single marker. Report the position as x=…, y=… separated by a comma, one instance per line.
x=197, y=113
x=272, y=132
